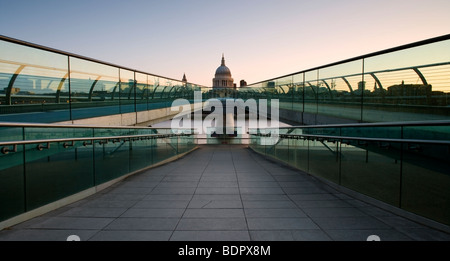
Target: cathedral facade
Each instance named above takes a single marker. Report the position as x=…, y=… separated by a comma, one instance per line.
x=222, y=78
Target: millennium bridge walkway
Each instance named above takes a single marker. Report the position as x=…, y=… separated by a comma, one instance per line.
x=364, y=153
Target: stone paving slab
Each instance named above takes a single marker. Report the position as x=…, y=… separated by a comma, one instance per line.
x=220, y=193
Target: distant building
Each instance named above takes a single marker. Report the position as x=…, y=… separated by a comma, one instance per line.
x=184, y=80
x=409, y=90
x=243, y=83
x=222, y=78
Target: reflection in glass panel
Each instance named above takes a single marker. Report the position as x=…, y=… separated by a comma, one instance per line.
x=169, y=92
x=93, y=85
x=158, y=88
x=127, y=91
x=175, y=89
x=150, y=87
x=39, y=81
x=33, y=80
x=298, y=90
x=153, y=85
x=409, y=85
x=311, y=95
x=168, y=84
x=283, y=88
x=342, y=88
x=438, y=77
x=142, y=92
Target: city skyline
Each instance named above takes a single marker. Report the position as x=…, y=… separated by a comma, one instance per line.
x=261, y=40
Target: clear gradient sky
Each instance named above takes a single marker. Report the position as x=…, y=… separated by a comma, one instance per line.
x=261, y=39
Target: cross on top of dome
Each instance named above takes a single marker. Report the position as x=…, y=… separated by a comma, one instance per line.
x=222, y=78
x=223, y=69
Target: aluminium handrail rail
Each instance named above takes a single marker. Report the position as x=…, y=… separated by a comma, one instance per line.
x=368, y=124
x=49, y=125
x=330, y=137
x=25, y=142
x=114, y=139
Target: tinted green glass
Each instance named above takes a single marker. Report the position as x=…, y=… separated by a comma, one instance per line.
x=41, y=133
x=441, y=132
x=140, y=154
x=302, y=155
x=372, y=171
x=56, y=172
x=93, y=85
x=324, y=160
x=386, y=132
x=12, y=189
x=298, y=154
x=112, y=160
x=280, y=150
x=426, y=179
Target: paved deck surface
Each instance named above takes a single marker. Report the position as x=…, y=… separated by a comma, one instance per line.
x=226, y=193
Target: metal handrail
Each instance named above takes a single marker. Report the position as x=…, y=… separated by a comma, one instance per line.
x=48, y=125
x=373, y=124
x=445, y=142
x=329, y=137
x=125, y=138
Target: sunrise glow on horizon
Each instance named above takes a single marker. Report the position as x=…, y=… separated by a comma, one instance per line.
x=260, y=39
